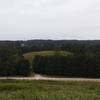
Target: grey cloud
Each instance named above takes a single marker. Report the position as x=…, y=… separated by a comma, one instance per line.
x=55, y=19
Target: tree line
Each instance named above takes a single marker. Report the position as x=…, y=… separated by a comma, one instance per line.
x=77, y=65
x=85, y=61
x=66, y=45
x=12, y=62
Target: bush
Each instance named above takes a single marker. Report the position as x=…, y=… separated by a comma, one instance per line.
x=12, y=63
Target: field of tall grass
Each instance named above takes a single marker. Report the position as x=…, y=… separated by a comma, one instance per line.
x=49, y=90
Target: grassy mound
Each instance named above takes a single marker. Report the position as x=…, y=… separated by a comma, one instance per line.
x=30, y=56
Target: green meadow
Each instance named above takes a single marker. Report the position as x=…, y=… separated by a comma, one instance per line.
x=49, y=90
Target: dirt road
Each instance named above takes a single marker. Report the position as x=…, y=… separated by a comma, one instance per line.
x=40, y=77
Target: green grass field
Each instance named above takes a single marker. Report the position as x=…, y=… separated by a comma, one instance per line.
x=30, y=56
x=49, y=90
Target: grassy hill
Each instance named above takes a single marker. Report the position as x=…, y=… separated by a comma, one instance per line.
x=30, y=56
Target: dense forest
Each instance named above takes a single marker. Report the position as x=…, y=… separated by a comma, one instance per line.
x=12, y=62
x=84, y=61
x=67, y=45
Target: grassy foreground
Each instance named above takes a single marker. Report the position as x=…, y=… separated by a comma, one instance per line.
x=49, y=90
x=30, y=56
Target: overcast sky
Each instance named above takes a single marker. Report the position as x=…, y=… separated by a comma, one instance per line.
x=49, y=19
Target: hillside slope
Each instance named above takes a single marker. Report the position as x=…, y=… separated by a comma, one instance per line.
x=30, y=56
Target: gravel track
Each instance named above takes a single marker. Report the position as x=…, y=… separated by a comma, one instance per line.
x=40, y=77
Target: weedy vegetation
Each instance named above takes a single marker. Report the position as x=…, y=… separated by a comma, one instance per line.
x=49, y=90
